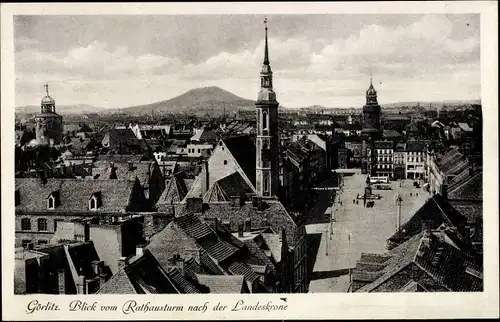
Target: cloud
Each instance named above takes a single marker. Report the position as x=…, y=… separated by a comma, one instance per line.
x=307, y=70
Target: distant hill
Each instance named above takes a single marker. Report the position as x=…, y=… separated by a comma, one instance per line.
x=211, y=100
x=62, y=109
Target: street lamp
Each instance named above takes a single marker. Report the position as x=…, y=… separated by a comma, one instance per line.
x=350, y=255
x=399, y=202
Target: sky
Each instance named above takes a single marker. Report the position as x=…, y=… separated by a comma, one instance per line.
x=120, y=61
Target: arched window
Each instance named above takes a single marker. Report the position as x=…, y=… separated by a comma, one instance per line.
x=264, y=120
x=25, y=224
x=266, y=184
x=42, y=224
x=50, y=204
x=93, y=204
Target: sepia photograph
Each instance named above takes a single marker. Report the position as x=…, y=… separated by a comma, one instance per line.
x=250, y=153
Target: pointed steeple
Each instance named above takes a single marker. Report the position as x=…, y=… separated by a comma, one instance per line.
x=266, y=75
x=266, y=49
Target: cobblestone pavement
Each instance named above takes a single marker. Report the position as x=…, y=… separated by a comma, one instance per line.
x=355, y=229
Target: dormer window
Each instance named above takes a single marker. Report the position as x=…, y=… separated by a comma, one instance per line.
x=53, y=200
x=95, y=201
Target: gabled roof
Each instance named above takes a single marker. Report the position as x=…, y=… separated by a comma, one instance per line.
x=204, y=135
x=241, y=147
x=444, y=266
x=182, y=284
x=142, y=276
x=223, y=284
x=238, y=268
x=122, y=135
x=175, y=191
x=228, y=187
x=74, y=194
x=469, y=189
x=272, y=214
x=141, y=170
x=436, y=211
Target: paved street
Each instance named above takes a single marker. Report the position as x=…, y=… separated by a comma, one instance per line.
x=368, y=229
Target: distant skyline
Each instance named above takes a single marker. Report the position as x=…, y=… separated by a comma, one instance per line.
x=121, y=61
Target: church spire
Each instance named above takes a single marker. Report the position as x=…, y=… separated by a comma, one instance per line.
x=266, y=50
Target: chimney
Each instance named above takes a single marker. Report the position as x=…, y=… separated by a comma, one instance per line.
x=248, y=225
x=242, y=200
x=240, y=231
x=122, y=262
x=96, y=267
x=257, y=202
x=61, y=279
x=444, y=190
x=139, y=250
x=86, y=232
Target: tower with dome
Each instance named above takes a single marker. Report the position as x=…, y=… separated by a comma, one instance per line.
x=371, y=130
x=49, y=126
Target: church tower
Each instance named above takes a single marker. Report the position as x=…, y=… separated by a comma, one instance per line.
x=267, y=144
x=371, y=113
x=49, y=125
x=370, y=129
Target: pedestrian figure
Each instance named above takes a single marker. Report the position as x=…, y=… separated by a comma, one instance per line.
x=417, y=194
x=410, y=194
x=353, y=200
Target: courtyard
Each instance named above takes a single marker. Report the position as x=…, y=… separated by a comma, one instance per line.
x=336, y=246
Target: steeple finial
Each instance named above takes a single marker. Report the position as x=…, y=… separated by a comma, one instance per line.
x=371, y=84
x=266, y=51
x=46, y=89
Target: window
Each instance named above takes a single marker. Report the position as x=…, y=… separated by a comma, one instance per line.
x=55, y=223
x=225, y=162
x=43, y=241
x=42, y=224
x=93, y=204
x=25, y=224
x=266, y=184
x=198, y=150
x=50, y=203
x=264, y=120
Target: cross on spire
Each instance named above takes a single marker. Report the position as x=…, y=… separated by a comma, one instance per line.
x=46, y=89
x=266, y=51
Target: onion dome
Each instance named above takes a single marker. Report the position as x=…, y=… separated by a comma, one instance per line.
x=371, y=90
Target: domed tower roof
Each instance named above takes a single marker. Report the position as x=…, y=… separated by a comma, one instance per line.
x=371, y=90
x=46, y=100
